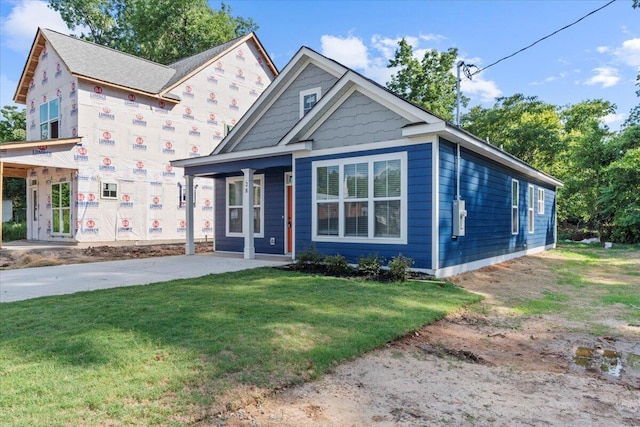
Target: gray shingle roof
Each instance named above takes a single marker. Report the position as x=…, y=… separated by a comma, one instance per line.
x=109, y=65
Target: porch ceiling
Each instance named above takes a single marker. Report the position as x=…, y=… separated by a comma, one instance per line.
x=258, y=164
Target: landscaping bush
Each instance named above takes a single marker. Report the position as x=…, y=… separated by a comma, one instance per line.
x=309, y=259
x=370, y=265
x=399, y=268
x=337, y=265
x=13, y=231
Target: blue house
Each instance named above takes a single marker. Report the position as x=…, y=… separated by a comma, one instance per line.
x=328, y=157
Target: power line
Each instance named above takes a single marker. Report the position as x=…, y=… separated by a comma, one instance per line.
x=543, y=38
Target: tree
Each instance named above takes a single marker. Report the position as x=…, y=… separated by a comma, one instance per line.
x=429, y=82
x=161, y=30
x=13, y=127
x=521, y=125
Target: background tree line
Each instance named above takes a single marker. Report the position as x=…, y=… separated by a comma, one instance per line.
x=599, y=167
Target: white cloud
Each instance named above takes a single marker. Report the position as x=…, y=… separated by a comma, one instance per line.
x=629, y=52
x=613, y=118
x=349, y=51
x=550, y=79
x=19, y=27
x=479, y=88
x=602, y=49
x=605, y=76
x=429, y=37
x=387, y=46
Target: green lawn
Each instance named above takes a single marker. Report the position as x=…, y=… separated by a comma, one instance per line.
x=163, y=354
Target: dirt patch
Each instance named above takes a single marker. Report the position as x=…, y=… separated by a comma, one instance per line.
x=72, y=255
x=487, y=365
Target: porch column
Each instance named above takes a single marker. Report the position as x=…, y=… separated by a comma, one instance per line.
x=1, y=200
x=189, y=248
x=247, y=213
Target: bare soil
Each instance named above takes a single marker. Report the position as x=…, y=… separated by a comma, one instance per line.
x=485, y=365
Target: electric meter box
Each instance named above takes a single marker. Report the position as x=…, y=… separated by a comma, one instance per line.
x=459, y=218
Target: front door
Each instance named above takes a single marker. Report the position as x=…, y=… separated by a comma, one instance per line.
x=33, y=211
x=289, y=211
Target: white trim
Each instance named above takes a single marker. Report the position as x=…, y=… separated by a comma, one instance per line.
x=517, y=206
x=531, y=205
x=370, y=160
x=271, y=151
x=435, y=205
x=541, y=201
x=240, y=179
x=395, y=143
x=317, y=91
x=486, y=262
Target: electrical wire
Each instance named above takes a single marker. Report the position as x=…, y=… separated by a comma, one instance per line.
x=543, y=38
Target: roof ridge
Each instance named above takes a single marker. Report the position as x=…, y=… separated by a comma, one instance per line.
x=105, y=47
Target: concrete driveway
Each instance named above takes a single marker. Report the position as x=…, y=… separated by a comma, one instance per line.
x=21, y=284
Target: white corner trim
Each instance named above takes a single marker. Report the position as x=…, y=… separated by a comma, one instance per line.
x=435, y=205
x=485, y=262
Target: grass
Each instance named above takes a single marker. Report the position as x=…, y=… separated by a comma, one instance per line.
x=591, y=279
x=170, y=353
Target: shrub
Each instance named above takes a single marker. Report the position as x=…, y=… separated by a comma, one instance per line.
x=14, y=231
x=309, y=258
x=337, y=265
x=369, y=265
x=399, y=268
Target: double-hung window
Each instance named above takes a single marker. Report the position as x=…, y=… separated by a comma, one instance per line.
x=515, y=226
x=234, y=206
x=541, y=201
x=61, y=208
x=360, y=199
x=50, y=119
x=530, y=207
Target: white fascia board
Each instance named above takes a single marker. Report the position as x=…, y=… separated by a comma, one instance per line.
x=452, y=134
x=243, y=155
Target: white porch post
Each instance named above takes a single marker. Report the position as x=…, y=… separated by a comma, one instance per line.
x=247, y=214
x=189, y=247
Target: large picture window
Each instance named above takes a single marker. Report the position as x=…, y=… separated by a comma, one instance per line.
x=234, y=206
x=61, y=208
x=361, y=199
x=515, y=225
x=49, y=119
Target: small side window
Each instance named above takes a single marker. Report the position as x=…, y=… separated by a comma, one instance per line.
x=308, y=98
x=541, y=201
x=109, y=190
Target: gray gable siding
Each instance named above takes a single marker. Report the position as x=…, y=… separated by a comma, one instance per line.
x=359, y=120
x=285, y=112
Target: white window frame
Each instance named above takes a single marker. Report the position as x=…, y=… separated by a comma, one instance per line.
x=541, y=201
x=531, y=219
x=57, y=211
x=371, y=239
x=104, y=185
x=227, y=207
x=49, y=120
x=316, y=90
x=515, y=226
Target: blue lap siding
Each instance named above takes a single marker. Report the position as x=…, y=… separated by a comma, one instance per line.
x=419, y=195
x=273, y=215
x=485, y=186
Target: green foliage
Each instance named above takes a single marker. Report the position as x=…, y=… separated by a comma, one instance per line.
x=13, y=125
x=370, y=265
x=427, y=82
x=162, y=30
x=13, y=231
x=309, y=257
x=399, y=268
x=620, y=198
x=337, y=265
x=165, y=354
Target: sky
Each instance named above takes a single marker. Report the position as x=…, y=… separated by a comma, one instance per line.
x=597, y=58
